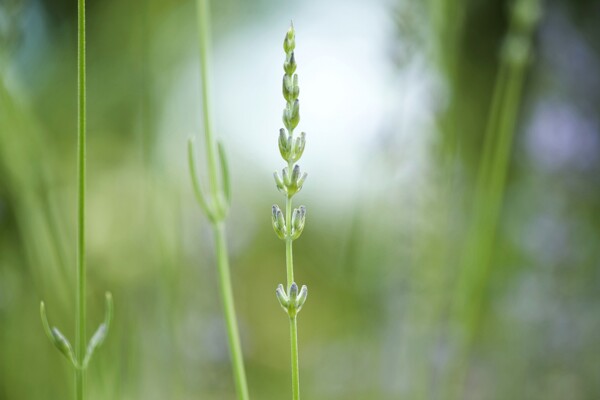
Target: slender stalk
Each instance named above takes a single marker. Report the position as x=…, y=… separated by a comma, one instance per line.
x=237, y=359
x=289, y=262
x=491, y=186
x=294, y=358
x=289, y=257
x=204, y=29
x=84, y=350
x=216, y=204
x=80, y=340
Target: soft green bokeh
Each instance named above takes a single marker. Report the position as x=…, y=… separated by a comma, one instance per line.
x=395, y=101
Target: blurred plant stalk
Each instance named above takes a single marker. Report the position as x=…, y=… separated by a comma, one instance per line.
x=490, y=186
x=84, y=350
x=216, y=205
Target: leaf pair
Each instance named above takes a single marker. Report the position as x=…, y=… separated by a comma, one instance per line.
x=215, y=208
x=62, y=343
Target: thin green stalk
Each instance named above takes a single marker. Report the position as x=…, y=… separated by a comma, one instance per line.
x=84, y=350
x=294, y=358
x=216, y=204
x=80, y=338
x=491, y=183
x=289, y=257
x=237, y=359
x=289, y=262
x=204, y=29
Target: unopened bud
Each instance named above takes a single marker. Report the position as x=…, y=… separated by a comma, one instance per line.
x=62, y=344
x=298, y=148
x=301, y=299
x=282, y=297
x=289, y=42
x=279, y=182
x=288, y=88
x=278, y=222
x=286, y=177
x=298, y=220
x=289, y=66
x=285, y=145
x=293, y=292
x=295, y=87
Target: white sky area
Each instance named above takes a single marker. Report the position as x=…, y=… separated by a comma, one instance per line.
x=350, y=92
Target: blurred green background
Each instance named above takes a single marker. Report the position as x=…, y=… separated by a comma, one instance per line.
x=433, y=273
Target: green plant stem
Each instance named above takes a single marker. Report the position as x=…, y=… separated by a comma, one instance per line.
x=204, y=28
x=289, y=258
x=80, y=341
x=489, y=195
x=215, y=190
x=295, y=366
x=237, y=359
x=289, y=262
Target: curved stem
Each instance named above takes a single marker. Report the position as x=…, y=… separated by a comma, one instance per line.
x=81, y=155
x=237, y=359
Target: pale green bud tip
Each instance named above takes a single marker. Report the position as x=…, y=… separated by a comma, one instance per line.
x=282, y=297
x=289, y=42
x=301, y=298
x=279, y=182
x=301, y=180
x=299, y=145
x=286, y=176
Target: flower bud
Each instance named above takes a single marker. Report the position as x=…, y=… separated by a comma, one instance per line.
x=62, y=344
x=295, y=173
x=295, y=114
x=291, y=115
x=298, y=147
x=298, y=219
x=278, y=222
x=300, y=182
x=284, y=301
x=286, y=177
x=293, y=292
x=294, y=300
x=289, y=66
x=285, y=145
x=279, y=182
x=295, y=87
x=288, y=88
x=301, y=299
x=289, y=42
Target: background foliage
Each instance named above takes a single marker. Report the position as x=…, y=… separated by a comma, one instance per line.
x=396, y=98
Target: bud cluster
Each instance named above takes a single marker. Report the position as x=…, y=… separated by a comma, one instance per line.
x=291, y=179
x=290, y=183
x=297, y=224
x=293, y=301
x=289, y=226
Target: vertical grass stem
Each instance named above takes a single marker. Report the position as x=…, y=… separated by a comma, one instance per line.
x=81, y=156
